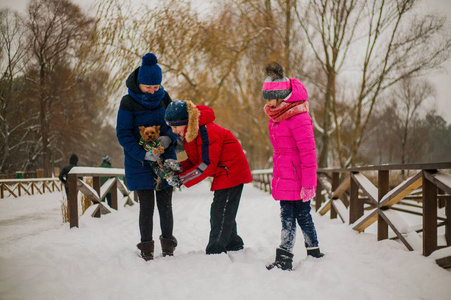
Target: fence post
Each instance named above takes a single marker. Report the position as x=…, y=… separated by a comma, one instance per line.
x=135, y=196
x=335, y=185
x=319, y=198
x=444, y=201
x=383, y=188
x=429, y=216
x=72, y=199
x=448, y=220
x=114, y=194
x=355, y=208
x=96, y=185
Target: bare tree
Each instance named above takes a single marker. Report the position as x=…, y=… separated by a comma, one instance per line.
x=13, y=50
x=411, y=94
x=397, y=44
x=211, y=61
x=57, y=28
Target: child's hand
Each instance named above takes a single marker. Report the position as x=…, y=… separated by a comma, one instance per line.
x=307, y=193
x=151, y=157
x=175, y=181
x=165, y=141
x=161, y=150
x=173, y=165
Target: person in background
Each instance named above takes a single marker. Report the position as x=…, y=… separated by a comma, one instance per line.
x=106, y=163
x=65, y=171
x=145, y=105
x=294, y=161
x=212, y=151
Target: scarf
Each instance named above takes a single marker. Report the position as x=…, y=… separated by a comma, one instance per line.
x=286, y=110
x=150, y=101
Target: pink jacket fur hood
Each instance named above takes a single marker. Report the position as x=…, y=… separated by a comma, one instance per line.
x=294, y=158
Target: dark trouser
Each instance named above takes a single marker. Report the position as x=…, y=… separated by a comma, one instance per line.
x=146, y=208
x=223, y=232
x=290, y=212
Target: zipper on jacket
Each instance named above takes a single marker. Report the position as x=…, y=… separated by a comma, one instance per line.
x=226, y=169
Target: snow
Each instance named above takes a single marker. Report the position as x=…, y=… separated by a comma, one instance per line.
x=40, y=258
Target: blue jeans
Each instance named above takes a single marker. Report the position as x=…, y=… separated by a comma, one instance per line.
x=290, y=211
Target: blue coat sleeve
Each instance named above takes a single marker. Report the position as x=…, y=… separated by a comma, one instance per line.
x=126, y=137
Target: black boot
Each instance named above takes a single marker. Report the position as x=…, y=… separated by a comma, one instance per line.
x=168, y=245
x=315, y=253
x=146, y=250
x=284, y=260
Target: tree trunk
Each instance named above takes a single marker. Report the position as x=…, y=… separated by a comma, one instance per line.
x=44, y=122
x=325, y=139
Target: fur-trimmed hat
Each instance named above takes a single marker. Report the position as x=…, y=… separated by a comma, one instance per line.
x=276, y=85
x=150, y=73
x=176, y=113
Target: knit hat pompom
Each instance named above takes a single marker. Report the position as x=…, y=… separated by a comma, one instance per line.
x=150, y=73
x=149, y=59
x=176, y=113
x=274, y=70
x=276, y=85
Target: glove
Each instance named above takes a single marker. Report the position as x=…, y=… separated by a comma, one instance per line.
x=307, y=193
x=164, y=140
x=175, y=181
x=151, y=157
x=173, y=165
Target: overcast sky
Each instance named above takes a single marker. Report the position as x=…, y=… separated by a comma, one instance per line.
x=442, y=81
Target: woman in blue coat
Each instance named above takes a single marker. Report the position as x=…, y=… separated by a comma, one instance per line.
x=145, y=105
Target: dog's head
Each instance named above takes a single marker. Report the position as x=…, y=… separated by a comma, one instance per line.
x=149, y=134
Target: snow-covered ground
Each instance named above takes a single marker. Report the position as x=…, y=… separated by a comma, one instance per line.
x=40, y=258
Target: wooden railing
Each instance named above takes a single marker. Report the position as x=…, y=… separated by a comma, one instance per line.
x=351, y=195
x=32, y=186
x=95, y=193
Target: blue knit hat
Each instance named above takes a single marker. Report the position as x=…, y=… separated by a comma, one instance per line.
x=176, y=113
x=150, y=73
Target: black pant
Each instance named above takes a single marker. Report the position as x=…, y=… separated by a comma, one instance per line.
x=146, y=208
x=223, y=232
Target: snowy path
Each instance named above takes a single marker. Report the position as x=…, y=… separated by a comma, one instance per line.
x=42, y=259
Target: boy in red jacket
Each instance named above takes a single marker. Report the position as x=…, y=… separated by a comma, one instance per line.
x=212, y=151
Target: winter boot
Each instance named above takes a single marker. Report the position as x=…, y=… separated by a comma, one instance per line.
x=284, y=260
x=315, y=252
x=146, y=250
x=168, y=245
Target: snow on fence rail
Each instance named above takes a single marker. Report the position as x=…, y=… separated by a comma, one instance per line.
x=96, y=193
x=350, y=195
x=31, y=186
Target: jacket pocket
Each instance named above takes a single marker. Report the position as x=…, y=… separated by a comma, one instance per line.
x=225, y=168
x=295, y=171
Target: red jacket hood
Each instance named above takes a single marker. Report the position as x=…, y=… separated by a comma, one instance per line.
x=198, y=115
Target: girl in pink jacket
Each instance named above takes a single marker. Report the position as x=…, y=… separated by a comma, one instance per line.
x=294, y=161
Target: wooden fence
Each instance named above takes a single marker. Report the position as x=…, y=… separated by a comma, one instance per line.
x=95, y=193
x=351, y=195
x=31, y=186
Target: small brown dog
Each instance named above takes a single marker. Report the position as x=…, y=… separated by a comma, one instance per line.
x=149, y=141
x=164, y=170
x=149, y=136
